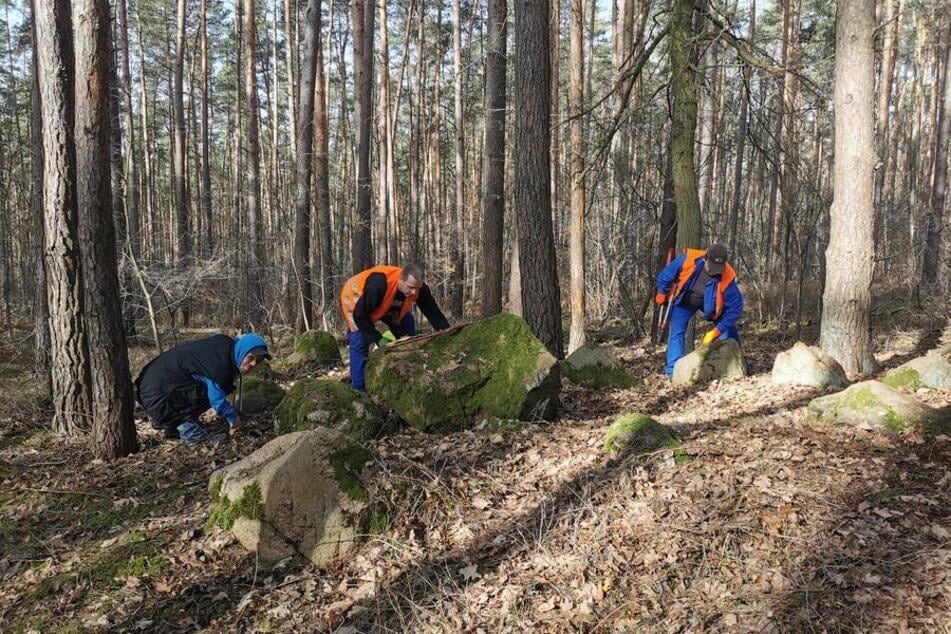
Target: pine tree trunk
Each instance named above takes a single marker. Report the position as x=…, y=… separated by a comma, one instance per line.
x=206, y=209
x=493, y=198
x=253, y=241
x=41, y=309
x=305, y=135
x=576, y=337
x=541, y=301
x=932, y=258
x=363, y=20
x=113, y=427
x=322, y=180
x=68, y=354
x=741, y=133
x=182, y=238
x=684, y=123
x=457, y=252
x=845, y=333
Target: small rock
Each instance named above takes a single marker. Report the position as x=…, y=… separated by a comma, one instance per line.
x=718, y=360
x=808, y=365
x=873, y=406
x=592, y=367
x=640, y=432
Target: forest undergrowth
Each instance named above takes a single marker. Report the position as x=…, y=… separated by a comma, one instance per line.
x=761, y=522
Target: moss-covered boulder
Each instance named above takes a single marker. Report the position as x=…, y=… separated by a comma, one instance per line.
x=931, y=371
x=808, y=365
x=313, y=402
x=257, y=395
x=718, y=360
x=448, y=381
x=873, y=406
x=638, y=432
x=314, y=347
x=300, y=494
x=591, y=366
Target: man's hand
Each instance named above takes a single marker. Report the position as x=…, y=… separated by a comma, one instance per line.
x=711, y=335
x=234, y=427
x=660, y=298
x=383, y=342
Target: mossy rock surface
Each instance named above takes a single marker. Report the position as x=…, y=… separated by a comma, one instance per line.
x=314, y=402
x=931, y=371
x=808, y=365
x=314, y=347
x=873, y=406
x=303, y=493
x=592, y=367
x=720, y=360
x=639, y=433
x=449, y=381
x=258, y=395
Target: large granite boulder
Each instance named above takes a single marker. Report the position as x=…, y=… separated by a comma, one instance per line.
x=808, y=365
x=324, y=402
x=931, y=371
x=591, y=366
x=300, y=494
x=718, y=360
x=258, y=395
x=314, y=348
x=639, y=432
x=873, y=406
x=452, y=379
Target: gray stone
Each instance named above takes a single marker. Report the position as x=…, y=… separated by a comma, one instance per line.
x=720, y=360
x=872, y=406
x=302, y=493
x=591, y=366
x=931, y=371
x=808, y=365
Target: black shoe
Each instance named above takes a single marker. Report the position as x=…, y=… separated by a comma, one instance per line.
x=171, y=433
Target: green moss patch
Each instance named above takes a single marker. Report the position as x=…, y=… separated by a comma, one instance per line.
x=313, y=402
x=258, y=395
x=314, y=347
x=640, y=433
x=348, y=462
x=903, y=377
x=444, y=384
x=598, y=376
x=250, y=505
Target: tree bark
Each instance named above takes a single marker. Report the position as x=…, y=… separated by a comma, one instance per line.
x=493, y=198
x=541, y=301
x=932, y=258
x=845, y=331
x=363, y=20
x=255, y=304
x=112, y=405
x=741, y=133
x=41, y=309
x=305, y=135
x=182, y=238
x=457, y=252
x=576, y=337
x=206, y=208
x=68, y=360
x=684, y=123
x=322, y=179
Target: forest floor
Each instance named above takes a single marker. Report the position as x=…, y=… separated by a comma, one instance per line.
x=770, y=524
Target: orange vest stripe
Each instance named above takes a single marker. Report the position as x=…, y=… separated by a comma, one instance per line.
x=353, y=289
x=690, y=266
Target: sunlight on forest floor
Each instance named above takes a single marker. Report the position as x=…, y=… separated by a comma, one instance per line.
x=770, y=525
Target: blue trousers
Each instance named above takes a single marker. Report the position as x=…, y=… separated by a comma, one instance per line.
x=360, y=348
x=679, y=317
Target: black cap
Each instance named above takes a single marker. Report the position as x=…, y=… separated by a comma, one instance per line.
x=716, y=259
x=260, y=353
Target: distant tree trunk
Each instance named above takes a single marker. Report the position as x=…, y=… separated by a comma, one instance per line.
x=363, y=20
x=576, y=337
x=68, y=352
x=131, y=167
x=290, y=48
x=41, y=308
x=305, y=134
x=182, y=241
x=206, y=210
x=741, y=133
x=113, y=427
x=541, y=302
x=254, y=242
x=932, y=259
x=493, y=198
x=684, y=123
x=845, y=333
x=322, y=179
x=457, y=252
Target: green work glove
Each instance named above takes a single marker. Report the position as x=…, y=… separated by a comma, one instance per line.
x=382, y=342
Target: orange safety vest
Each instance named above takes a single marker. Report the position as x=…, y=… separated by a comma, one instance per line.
x=690, y=267
x=353, y=289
